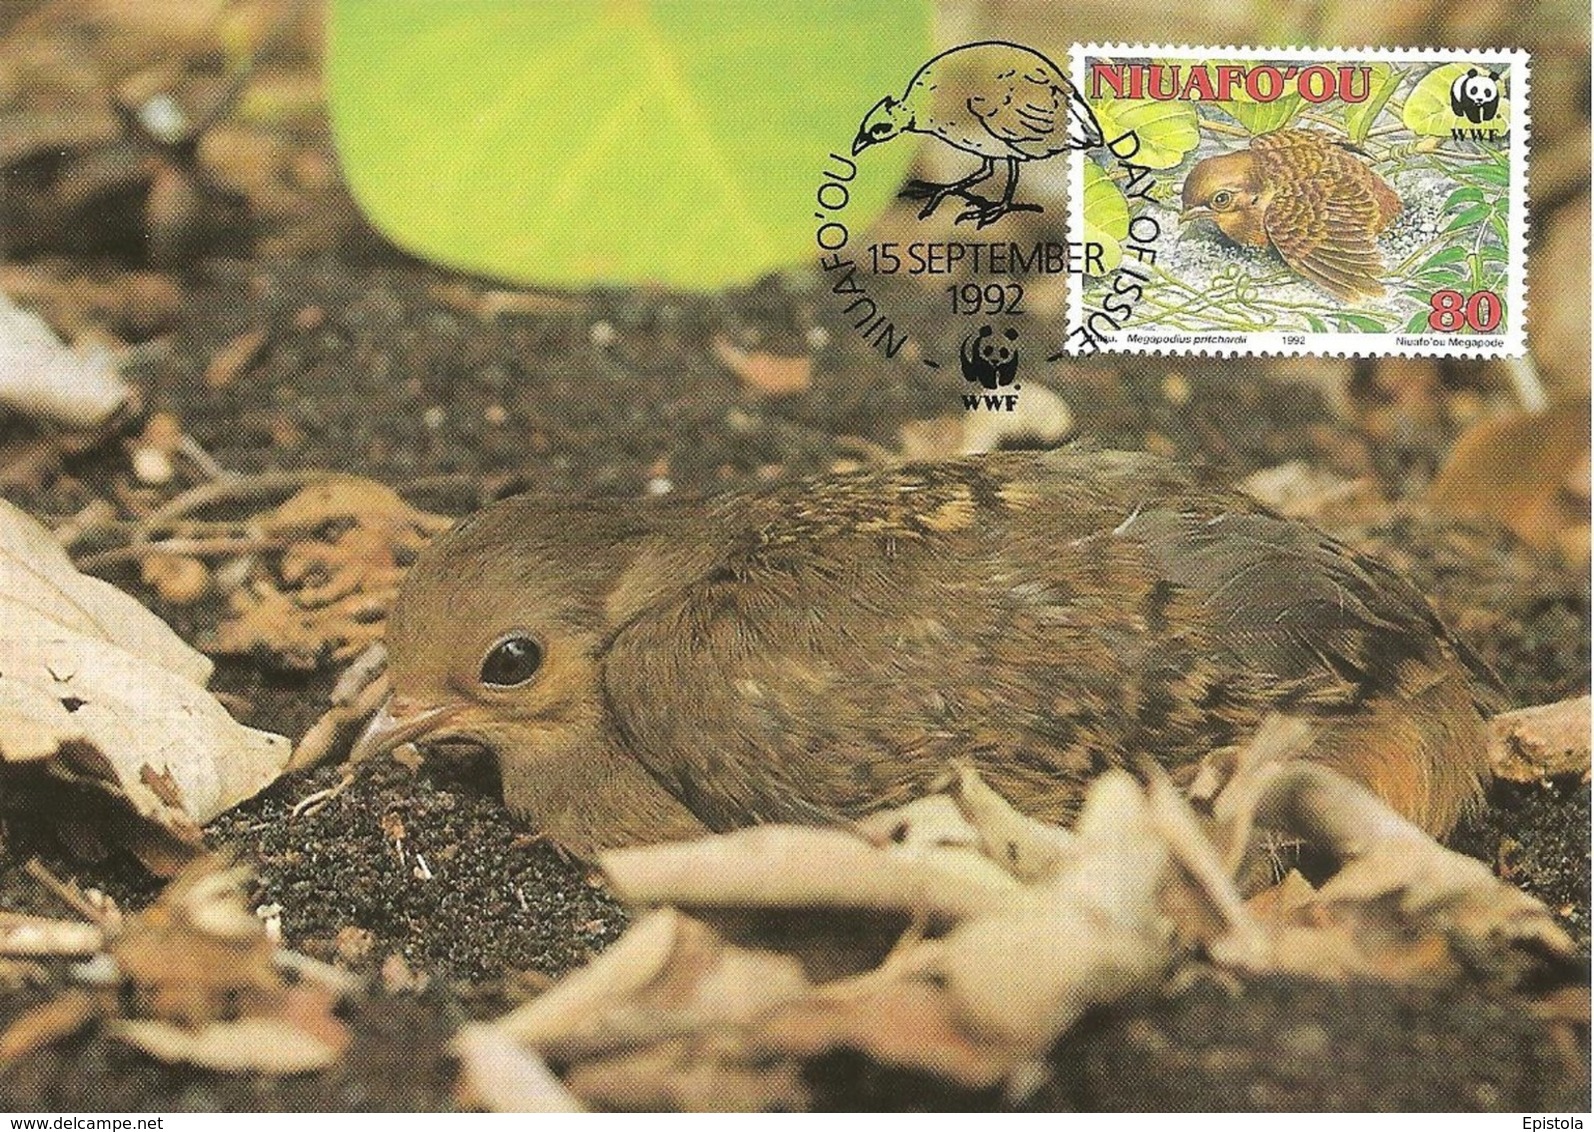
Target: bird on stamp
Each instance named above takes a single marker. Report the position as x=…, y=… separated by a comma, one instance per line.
x=1306, y=196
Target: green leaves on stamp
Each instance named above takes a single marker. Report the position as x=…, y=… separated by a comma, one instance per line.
x=1167, y=130
x=1360, y=116
x=1167, y=133
x=1106, y=214
x=1262, y=117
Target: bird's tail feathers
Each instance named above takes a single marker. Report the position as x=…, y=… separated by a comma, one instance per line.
x=1084, y=132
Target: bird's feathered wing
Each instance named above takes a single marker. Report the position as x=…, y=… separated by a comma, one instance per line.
x=1045, y=616
x=1326, y=209
x=1023, y=107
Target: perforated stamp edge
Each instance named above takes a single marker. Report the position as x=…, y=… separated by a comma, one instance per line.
x=1088, y=337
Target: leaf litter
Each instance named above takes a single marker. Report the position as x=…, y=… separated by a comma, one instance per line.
x=347, y=542
x=197, y=978
x=958, y=938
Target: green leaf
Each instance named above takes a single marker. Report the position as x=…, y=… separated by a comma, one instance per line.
x=1497, y=224
x=1167, y=130
x=1463, y=195
x=1492, y=171
x=650, y=141
x=1438, y=280
x=1468, y=217
x=1106, y=214
x=1360, y=322
x=1360, y=116
x=1315, y=323
x=1428, y=112
x=1441, y=257
x=1418, y=322
x=1262, y=117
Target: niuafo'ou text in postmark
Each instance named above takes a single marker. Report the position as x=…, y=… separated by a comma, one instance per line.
x=1302, y=201
x=1007, y=114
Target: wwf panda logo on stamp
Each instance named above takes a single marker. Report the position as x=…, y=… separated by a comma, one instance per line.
x=1301, y=201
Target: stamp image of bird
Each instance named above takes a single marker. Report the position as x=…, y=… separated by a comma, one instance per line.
x=1301, y=194
x=817, y=650
x=997, y=101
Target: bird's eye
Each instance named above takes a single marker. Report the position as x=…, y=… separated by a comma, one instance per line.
x=1221, y=198
x=513, y=660
x=880, y=129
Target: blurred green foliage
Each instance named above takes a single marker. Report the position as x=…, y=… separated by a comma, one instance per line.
x=634, y=141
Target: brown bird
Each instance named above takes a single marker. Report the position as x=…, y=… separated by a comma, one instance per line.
x=1299, y=192
x=814, y=651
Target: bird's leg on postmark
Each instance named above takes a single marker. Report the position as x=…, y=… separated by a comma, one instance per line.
x=984, y=212
x=933, y=194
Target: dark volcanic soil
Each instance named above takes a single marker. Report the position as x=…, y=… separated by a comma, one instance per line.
x=599, y=394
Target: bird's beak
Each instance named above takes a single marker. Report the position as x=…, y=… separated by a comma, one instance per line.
x=1195, y=212
x=862, y=142
x=397, y=722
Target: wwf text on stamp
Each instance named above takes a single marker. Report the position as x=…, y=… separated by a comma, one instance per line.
x=1301, y=201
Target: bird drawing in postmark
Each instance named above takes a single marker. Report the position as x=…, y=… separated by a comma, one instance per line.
x=1000, y=102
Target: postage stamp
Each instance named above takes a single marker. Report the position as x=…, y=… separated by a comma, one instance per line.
x=1301, y=201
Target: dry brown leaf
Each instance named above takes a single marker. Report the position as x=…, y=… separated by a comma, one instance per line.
x=894, y=1023
x=1541, y=742
x=630, y=964
x=770, y=374
x=37, y=577
x=1024, y=974
x=802, y=867
x=1401, y=905
x=934, y=822
x=349, y=541
x=1039, y=416
x=37, y=935
x=723, y=1008
x=646, y=997
x=178, y=580
x=227, y=363
x=1029, y=849
x=690, y=1076
x=1308, y=491
x=1515, y=469
x=198, y=951
x=101, y=691
x=726, y=1007
x=46, y=1023
x=42, y=379
x=196, y=977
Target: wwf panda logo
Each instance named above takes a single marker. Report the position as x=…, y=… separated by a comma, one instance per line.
x=1475, y=97
x=990, y=358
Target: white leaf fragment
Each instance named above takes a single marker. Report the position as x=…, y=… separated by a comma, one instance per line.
x=42, y=379
x=103, y=691
x=269, y=1045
